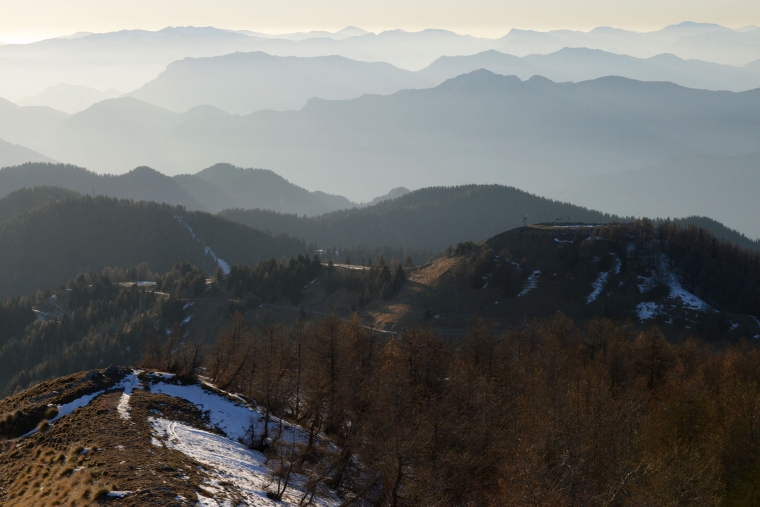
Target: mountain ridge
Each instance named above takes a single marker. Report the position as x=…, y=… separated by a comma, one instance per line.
x=212, y=189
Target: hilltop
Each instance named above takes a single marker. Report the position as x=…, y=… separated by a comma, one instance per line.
x=431, y=218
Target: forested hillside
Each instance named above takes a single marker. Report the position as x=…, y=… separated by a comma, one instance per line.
x=681, y=278
x=47, y=246
x=432, y=218
x=27, y=199
x=720, y=231
x=549, y=413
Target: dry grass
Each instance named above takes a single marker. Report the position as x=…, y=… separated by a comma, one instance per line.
x=49, y=468
x=55, y=478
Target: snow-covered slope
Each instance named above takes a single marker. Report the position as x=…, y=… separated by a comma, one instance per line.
x=201, y=436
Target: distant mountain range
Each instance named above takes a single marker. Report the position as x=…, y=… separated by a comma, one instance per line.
x=127, y=59
x=688, y=40
x=242, y=83
x=141, y=184
x=480, y=127
x=222, y=184
x=722, y=187
x=582, y=64
x=213, y=189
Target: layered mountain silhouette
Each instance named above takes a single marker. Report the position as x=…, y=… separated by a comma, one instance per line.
x=127, y=59
x=243, y=83
x=688, y=40
x=722, y=187
x=582, y=64
x=218, y=186
x=480, y=127
x=246, y=82
x=213, y=189
x=141, y=184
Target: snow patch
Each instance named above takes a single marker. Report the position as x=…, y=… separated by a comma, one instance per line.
x=601, y=281
x=233, y=418
x=531, y=283
x=227, y=462
x=225, y=267
x=598, y=285
x=83, y=401
x=129, y=382
x=187, y=319
x=688, y=299
x=222, y=264
x=647, y=311
x=118, y=494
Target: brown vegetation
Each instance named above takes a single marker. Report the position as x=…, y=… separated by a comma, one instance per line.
x=547, y=414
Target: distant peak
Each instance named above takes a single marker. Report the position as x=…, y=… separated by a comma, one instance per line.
x=692, y=25
x=478, y=80
x=351, y=30
x=144, y=170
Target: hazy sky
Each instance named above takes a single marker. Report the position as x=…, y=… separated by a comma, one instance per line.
x=24, y=20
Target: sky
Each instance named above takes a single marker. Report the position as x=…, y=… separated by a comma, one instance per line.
x=29, y=20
